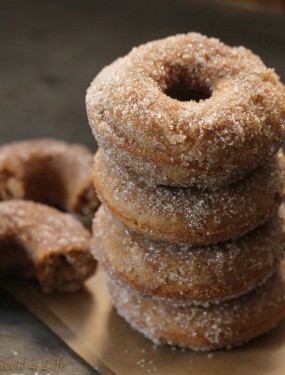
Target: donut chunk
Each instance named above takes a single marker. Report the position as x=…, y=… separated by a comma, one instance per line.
x=181, y=215
x=188, y=111
x=216, y=326
x=185, y=274
x=50, y=172
x=37, y=241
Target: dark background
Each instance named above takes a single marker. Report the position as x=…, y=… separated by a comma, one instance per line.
x=51, y=50
x=49, y=53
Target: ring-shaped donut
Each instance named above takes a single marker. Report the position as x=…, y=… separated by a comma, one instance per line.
x=188, y=111
x=51, y=172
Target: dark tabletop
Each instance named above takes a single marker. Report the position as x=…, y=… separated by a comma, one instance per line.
x=50, y=51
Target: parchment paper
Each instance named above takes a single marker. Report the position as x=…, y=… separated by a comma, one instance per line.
x=88, y=324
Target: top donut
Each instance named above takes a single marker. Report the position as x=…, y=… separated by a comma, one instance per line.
x=188, y=111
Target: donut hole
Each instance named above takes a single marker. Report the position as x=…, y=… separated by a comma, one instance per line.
x=184, y=85
x=43, y=182
x=183, y=92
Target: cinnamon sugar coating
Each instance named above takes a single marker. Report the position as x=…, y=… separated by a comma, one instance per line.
x=188, y=129
x=181, y=215
x=51, y=172
x=188, y=111
x=183, y=274
x=216, y=326
x=37, y=241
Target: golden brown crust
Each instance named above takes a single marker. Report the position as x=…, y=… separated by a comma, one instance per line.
x=204, y=328
x=51, y=172
x=134, y=113
x=39, y=241
x=181, y=215
x=185, y=274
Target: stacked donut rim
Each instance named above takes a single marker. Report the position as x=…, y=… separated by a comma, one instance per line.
x=219, y=326
x=183, y=274
x=183, y=215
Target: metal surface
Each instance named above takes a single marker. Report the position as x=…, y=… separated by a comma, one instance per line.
x=24, y=339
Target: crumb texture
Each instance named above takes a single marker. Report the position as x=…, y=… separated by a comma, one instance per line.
x=39, y=241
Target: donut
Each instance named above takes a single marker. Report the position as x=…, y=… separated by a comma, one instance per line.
x=182, y=215
x=51, y=172
x=185, y=274
x=38, y=241
x=217, y=326
x=188, y=111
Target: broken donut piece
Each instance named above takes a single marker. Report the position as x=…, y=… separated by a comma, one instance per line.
x=37, y=241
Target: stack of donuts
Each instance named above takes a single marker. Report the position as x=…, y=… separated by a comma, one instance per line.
x=189, y=171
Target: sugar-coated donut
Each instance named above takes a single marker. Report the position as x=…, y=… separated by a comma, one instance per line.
x=182, y=215
x=216, y=326
x=184, y=274
x=51, y=172
x=188, y=111
x=37, y=241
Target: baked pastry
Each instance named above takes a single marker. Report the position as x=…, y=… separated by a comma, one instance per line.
x=188, y=111
x=181, y=215
x=188, y=127
x=184, y=274
x=51, y=172
x=216, y=326
x=37, y=241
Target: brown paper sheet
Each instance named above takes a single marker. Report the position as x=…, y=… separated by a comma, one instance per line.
x=88, y=324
